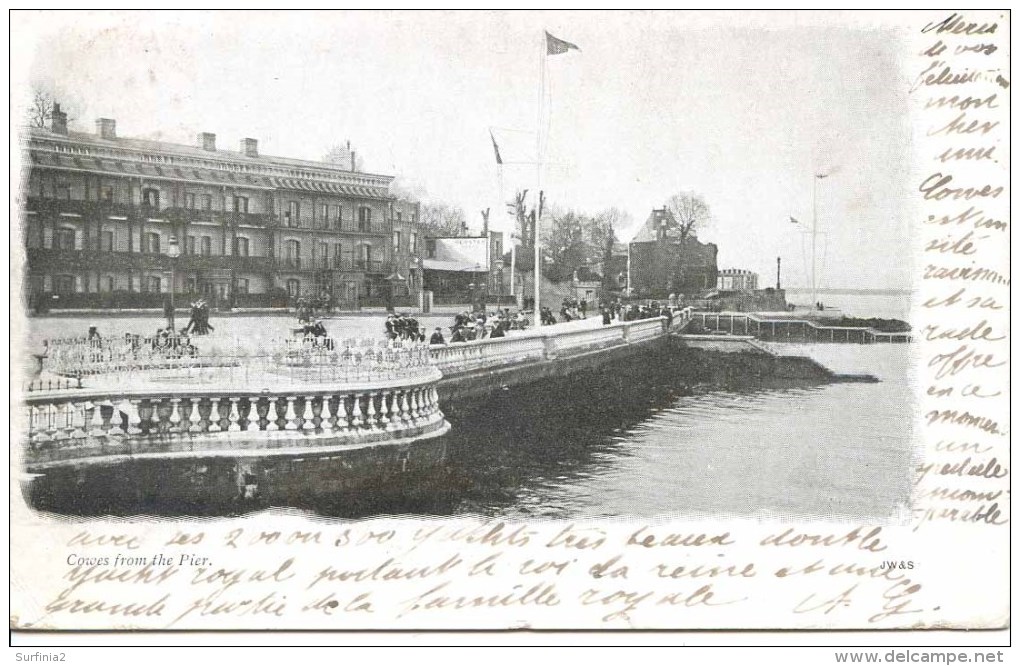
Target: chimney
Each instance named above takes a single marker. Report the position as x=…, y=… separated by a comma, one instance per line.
x=58, y=120
x=250, y=147
x=106, y=128
x=207, y=141
x=353, y=167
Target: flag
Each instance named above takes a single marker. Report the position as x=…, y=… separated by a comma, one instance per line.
x=819, y=176
x=794, y=220
x=495, y=147
x=556, y=46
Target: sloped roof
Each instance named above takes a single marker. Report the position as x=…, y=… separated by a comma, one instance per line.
x=114, y=167
x=154, y=145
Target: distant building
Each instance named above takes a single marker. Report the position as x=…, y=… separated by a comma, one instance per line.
x=659, y=265
x=102, y=213
x=737, y=279
x=466, y=269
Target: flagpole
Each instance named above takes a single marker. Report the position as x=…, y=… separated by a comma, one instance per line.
x=814, y=235
x=538, y=178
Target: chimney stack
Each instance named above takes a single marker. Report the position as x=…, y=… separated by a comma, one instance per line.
x=106, y=128
x=58, y=120
x=250, y=147
x=353, y=167
x=207, y=141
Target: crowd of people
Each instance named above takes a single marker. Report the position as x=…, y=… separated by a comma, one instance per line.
x=403, y=327
x=573, y=309
x=480, y=325
x=617, y=312
x=198, y=324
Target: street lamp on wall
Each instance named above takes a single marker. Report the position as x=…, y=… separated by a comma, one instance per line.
x=173, y=251
x=499, y=277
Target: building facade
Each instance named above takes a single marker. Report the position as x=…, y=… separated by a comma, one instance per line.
x=660, y=264
x=737, y=279
x=104, y=216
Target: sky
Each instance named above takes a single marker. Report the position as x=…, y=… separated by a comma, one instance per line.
x=740, y=108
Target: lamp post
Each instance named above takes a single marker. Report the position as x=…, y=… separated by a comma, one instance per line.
x=173, y=251
x=479, y=286
x=499, y=278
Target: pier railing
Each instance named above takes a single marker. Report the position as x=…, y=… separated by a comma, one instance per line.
x=788, y=329
x=64, y=426
x=548, y=343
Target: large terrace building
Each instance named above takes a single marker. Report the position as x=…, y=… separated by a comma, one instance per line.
x=101, y=212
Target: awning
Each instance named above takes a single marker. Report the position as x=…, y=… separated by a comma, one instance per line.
x=322, y=187
x=457, y=266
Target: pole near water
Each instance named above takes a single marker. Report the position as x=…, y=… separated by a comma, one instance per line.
x=538, y=177
x=814, y=236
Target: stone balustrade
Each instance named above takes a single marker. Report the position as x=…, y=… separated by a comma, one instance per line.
x=548, y=343
x=271, y=397
x=66, y=426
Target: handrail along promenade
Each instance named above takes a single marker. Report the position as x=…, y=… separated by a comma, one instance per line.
x=777, y=329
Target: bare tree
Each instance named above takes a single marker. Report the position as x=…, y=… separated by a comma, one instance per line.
x=690, y=215
x=442, y=220
x=40, y=110
x=520, y=213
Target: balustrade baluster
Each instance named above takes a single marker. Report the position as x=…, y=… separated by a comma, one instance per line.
x=415, y=410
x=134, y=420
x=426, y=405
x=272, y=416
x=435, y=402
x=307, y=415
x=371, y=421
x=175, y=415
x=154, y=426
x=291, y=416
x=77, y=420
x=405, y=409
x=384, y=418
x=394, y=421
x=356, y=412
x=214, y=415
x=325, y=416
x=341, y=414
x=234, y=416
x=195, y=417
x=97, y=423
x=252, y=417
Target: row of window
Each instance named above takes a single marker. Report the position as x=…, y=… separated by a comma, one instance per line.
x=204, y=202
x=65, y=284
x=64, y=239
